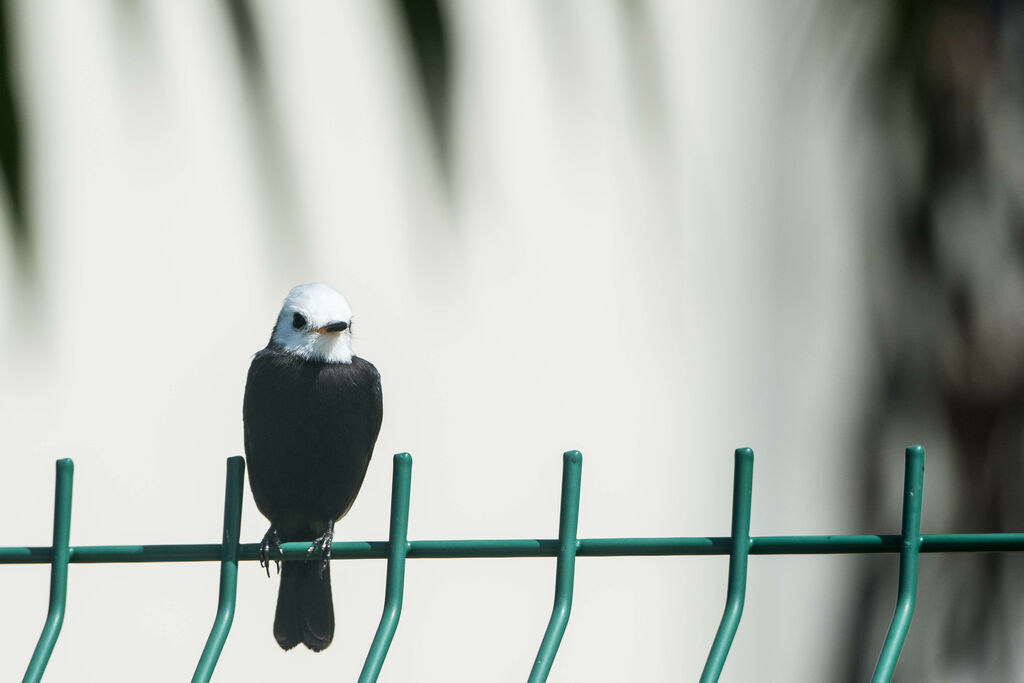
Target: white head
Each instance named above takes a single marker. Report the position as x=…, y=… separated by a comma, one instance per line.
x=315, y=323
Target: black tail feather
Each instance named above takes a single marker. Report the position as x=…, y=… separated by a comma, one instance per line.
x=305, y=608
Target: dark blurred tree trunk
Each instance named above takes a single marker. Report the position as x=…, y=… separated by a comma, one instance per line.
x=948, y=297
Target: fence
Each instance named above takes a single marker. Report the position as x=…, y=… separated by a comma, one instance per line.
x=566, y=548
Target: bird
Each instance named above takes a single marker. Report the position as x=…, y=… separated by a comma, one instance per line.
x=311, y=414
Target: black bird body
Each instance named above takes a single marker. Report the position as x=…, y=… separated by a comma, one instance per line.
x=312, y=412
x=310, y=428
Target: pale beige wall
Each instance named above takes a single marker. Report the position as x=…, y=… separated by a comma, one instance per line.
x=654, y=266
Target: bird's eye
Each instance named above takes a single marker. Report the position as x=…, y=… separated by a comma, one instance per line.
x=298, y=321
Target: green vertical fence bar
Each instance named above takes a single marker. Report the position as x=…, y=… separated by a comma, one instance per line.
x=60, y=556
x=228, y=571
x=742, y=486
x=398, y=548
x=913, y=486
x=568, y=522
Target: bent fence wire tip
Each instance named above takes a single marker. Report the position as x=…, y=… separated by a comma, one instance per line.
x=913, y=487
x=60, y=555
x=739, y=551
x=228, y=571
x=394, y=589
x=568, y=522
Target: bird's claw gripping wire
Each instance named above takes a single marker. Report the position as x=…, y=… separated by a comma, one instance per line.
x=271, y=543
x=323, y=544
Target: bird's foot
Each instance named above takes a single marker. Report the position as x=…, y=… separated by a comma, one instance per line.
x=323, y=544
x=271, y=544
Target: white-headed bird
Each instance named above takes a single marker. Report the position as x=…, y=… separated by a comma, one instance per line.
x=312, y=412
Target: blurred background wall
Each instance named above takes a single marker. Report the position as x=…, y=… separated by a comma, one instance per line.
x=652, y=231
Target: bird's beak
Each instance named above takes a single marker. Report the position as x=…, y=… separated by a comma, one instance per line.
x=339, y=326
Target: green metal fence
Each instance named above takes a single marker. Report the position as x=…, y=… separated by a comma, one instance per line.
x=567, y=547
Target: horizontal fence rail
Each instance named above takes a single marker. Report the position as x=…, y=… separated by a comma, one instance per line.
x=535, y=547
x=566, y=548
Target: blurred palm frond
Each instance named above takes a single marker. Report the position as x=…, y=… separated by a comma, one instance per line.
x=12, y=156
x=277, y=178
x=243, y=26
x=426, y=28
